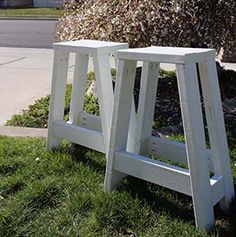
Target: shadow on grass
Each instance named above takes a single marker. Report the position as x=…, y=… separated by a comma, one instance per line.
x=95, y=160
x=159, y=199
x=226, y=221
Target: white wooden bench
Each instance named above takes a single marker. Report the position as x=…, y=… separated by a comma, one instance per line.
x=83, y=128
x=195, y=181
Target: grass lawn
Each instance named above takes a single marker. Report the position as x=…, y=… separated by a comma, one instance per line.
x=31, y=12
x=44, y=193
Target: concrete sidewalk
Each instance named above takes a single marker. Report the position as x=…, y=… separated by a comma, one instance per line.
x=25, y=76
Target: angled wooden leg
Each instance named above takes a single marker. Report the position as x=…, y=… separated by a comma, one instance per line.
x=148, y=86
x=78, y=87
x=105, y=92
x=116, y=61
x=196, y=145
x=132, y=128
x=216, y=128
x=58, y=91
x=120, y=119
x=147, y=101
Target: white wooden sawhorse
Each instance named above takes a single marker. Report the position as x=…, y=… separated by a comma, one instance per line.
x=206, y=190
x=83, y=128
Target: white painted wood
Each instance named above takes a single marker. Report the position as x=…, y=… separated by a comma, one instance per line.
x=132, y=128
x=120, y=119
x=78, y=135
x=147, y=101
x=154, y=171
x=90, y=121
x=205, y=191
x=118, y=135
x=100, y=51
x=167, y=54
x=90, y=46
x=58, y=90
x=115, y=55
x=105, y=92
x=216, y=128
x=196, y=145
x=133, y=119
x=171, y=150
x=217, y=188
x=78, y=87
x=163, y=174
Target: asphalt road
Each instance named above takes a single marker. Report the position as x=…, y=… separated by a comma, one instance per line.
x=27, y=33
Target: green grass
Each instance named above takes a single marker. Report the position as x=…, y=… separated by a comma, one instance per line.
x=61, y=193
x=32, y=12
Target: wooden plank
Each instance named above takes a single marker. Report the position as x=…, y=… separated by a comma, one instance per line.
x=154, y=171
x=120, y=119
x=216, y=128
x=196, y=145
x=91, y=46
x=105, y=92
x=177, y=55
x=90, y=121
x=171, y=150
x=115, y=56
x=217, y=188
x=147, y=102
x=132, y=128
x=58, y=91
x=78, y=87
x=78, y=135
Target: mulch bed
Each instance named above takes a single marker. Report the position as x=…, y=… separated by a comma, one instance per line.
x=167, y=117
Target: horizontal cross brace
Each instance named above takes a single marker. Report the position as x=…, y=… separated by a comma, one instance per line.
x=154, y=171
x=79, y=135
x=171, y=150
x=163, y=174
x=90, y=121
x=217, y=188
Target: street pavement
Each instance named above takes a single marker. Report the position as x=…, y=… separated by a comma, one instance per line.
x=27, y=33
x=25, y=76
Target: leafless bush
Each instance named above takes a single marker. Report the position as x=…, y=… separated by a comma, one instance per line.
x=190, y=23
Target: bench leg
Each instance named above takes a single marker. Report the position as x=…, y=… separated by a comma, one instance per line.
x=120, y=120
x=216, y=128
x=195, y=145
x=58, y=90
x=78, y=87
x=147, y=101
x=105, y=92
